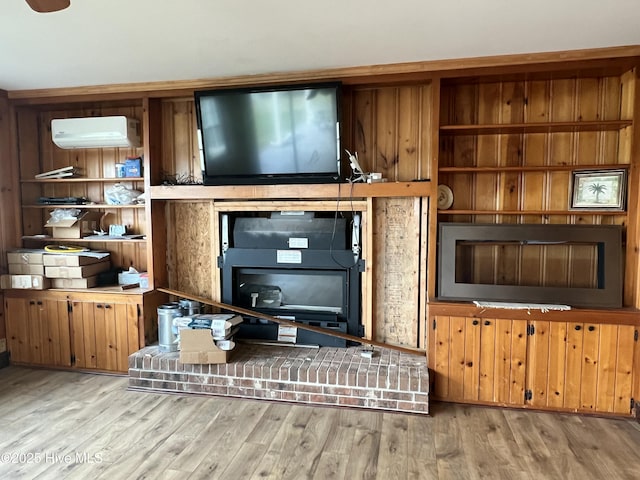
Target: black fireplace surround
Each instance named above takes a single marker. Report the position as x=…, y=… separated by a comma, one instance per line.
x=296, y=266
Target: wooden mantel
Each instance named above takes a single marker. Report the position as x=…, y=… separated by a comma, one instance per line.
x=270, y=192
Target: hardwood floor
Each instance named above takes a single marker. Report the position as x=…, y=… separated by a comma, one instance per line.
x=56, y=424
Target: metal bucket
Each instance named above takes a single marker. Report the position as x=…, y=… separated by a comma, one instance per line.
x=189, y=307
x=167, y=335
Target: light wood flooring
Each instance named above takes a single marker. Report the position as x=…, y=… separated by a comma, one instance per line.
x=56, y=424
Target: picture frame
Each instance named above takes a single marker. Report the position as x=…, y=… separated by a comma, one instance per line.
x=599, y=189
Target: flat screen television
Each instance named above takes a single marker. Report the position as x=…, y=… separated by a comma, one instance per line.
x=270, y=135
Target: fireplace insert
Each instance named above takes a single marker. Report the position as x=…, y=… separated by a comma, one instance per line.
x=295, y=267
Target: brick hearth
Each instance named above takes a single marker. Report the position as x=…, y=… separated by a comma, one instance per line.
x=390, y=380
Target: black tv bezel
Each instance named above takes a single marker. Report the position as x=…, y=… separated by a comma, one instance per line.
x=272, y=179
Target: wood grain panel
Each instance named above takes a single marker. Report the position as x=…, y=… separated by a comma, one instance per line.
x=190, y=259
x=472, y=347
x=606, y=365
x=556, y=366
x=391, y=130
x=488, y=357
x=438, y=353
x=517, y=378
x=396, y=268
x=457, y=358
x=502, y=374
x=180, y=154
x=624, y=369
x=589, y=380
x=538, y=364
x=573, y=365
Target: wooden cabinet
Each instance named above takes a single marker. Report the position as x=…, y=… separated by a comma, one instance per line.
x=478, y=359
x=581, y=366
x=79, y=329
x=546, y=364
x=38, y=330
x=105, y=334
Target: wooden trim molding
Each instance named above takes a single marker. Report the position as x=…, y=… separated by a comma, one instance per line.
x=355, y=75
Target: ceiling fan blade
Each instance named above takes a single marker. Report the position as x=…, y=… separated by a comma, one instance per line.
x=46, y=6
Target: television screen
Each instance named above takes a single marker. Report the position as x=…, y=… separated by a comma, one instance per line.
x=270, y=135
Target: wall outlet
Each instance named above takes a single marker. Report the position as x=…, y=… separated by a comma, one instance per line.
x=3, y=345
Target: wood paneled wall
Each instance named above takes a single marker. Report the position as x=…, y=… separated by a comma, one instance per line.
x=505, y=170
x=391, y=128
x=9, y=196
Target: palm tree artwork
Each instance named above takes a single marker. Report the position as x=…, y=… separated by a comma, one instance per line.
x=597, y=189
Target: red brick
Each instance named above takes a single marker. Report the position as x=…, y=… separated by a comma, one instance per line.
x=328, y=399
x=406, y=396
x=215, y=389
x=241, y=391
x=386, y=404
x=308, y=388
x=413, y=407
x=354, y=402
x=333, y=390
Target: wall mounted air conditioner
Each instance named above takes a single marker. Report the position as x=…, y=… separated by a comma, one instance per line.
x=95, y=132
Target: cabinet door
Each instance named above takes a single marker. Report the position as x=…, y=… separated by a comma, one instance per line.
x=16, y=317
x=105, y=334
x=478, y=360
x=581, y=366
x=38, y=331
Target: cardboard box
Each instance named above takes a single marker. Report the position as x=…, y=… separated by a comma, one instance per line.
x=76, y=272
x=26, y=269
x=79, y=227
x=74, y=282
x=67, y=260
x=25, y=256
x=33, y=282
x=133, y=167
x=198, y=346
x=128, y=278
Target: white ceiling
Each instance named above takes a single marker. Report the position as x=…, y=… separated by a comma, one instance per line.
x=97, y=42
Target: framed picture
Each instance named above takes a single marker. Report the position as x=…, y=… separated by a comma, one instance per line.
x=599, y=189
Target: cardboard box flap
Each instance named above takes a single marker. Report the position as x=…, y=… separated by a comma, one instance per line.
x=70, y=222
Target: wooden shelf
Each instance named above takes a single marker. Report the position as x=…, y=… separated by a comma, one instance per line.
x=531, y=168
x=531, y=212
x=628, y=316
x=546, y=127
x=96, y=206
x=82, y=180
x=82, y=240
x=272, y=192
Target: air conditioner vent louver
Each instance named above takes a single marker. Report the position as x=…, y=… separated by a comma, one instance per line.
x=95, y=132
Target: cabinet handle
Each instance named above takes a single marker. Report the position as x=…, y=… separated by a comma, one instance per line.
x=591, y=328
x=107, y=306
x=487, y=322
x=578, y=327
x=475, y=322
x=31, y=302
x=99, y=306
x=39, y=302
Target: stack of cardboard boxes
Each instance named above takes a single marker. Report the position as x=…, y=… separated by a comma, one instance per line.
x=39, y=270
x=26, y=270
x=74, y=270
